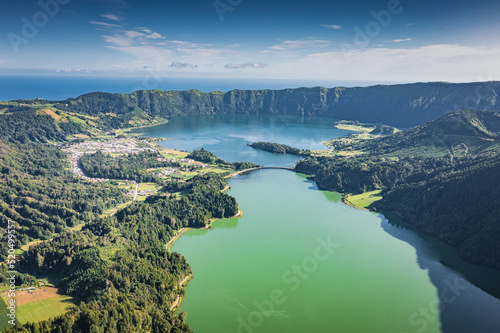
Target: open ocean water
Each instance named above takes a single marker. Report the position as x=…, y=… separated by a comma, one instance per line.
x=63, y=87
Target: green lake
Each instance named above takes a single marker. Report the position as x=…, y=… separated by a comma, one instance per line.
x=299, y=260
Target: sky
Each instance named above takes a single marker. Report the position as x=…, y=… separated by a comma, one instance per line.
x=377, y=40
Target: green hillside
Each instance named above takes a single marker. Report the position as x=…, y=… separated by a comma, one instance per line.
x=441, y=176
x=402, y=105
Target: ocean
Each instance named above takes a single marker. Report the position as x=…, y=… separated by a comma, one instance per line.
x=55, y=88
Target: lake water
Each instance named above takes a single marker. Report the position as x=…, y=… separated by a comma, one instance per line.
x=299, y=260
x=228, y=136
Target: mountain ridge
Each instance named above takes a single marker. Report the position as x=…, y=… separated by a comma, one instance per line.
x=401, y=105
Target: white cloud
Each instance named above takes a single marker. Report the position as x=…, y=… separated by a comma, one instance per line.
x=112, y=17
x=151, y=53
x=154, y=35
x=442, y=62
x=146, y=30
x=133, y=34
x=332, y=26
x=246, y=65
x=149, y=47
x=291, y=48
x=300, y=44
x=69, y=70
x=105, y=24
x=398, y=40
x=119, y=40
x=176, y=64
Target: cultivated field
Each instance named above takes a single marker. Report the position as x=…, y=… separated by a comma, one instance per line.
x=40, y=304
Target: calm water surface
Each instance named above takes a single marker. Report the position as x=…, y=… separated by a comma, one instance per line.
x=227, y=136
x=299, y=260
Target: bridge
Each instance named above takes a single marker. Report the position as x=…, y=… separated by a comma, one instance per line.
x=260, y=168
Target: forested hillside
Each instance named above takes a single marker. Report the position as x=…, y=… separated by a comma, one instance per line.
x=403, y=105
x=19, y=126
x=129, y=166
x=118, y=265
x=441, y=177
x=40, y=193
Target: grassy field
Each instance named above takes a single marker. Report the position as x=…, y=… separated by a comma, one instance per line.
x=112, y=211
x=3, y=315
x=44, y=309
x=191, y=174
x=360, y=128
x=364, y=200
x=168, y=153
x=27, y=246
x=147, y=186
x=77, y=227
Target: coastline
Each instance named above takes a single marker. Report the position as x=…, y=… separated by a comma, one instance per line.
x=179, y=233
x=345, y=200
x=180, y=299
x=172, y=241
x=128, y=130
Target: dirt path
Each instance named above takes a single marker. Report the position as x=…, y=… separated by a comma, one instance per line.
x=175, y=237
x=175, y=303
x=183, y=281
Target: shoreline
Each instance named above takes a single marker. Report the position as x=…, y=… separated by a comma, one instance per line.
x=346, y=201
x=172, y=241
x=179, y=233
x=127, y=130
x=179, y=300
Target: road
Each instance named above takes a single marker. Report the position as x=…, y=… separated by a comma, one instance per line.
x=136, y=191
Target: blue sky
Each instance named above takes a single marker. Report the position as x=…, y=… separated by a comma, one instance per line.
x=378, y=40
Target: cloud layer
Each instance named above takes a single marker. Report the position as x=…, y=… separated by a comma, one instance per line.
x=245, y=65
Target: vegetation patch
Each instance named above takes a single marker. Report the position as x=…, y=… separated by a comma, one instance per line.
x=44, y=309
x=4, y=320
x=365, y=200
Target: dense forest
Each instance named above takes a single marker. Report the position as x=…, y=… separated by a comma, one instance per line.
x=40, y=193
x=402, y=105
x=205, y=156
x=429, y=179
x=119, y=267
x=276, y=148
x=17, y=127
x=131, y=166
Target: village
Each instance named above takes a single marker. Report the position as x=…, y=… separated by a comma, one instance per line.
x=117, y=146
x=128, y=146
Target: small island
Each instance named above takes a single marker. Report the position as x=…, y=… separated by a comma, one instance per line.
x=277, y=148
